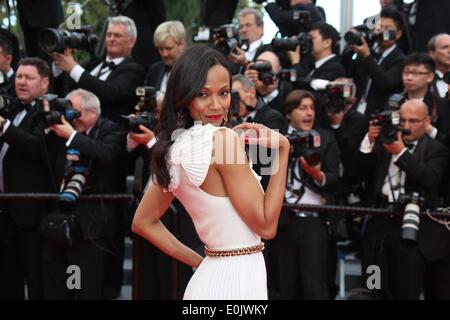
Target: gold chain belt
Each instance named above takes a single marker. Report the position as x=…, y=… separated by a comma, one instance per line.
x=234, y=252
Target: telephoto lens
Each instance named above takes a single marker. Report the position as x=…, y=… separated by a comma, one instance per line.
x=411, y=221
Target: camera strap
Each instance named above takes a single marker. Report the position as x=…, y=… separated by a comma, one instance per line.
x=294, y=177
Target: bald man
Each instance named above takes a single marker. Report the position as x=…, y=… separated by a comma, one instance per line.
x=412, y=163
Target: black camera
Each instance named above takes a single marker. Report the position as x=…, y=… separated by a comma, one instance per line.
x=389, y=121
x=146, y=113
x=226, y=39
x=303, y=40
x=306, y=145
x=52, y=108
x=337, y=97
x=446, y=77
x=75, y=177
x=265, y=73
x=288, y=75
x=410, y=205
x=353, y=37
x=50, y=39
x=302, y=18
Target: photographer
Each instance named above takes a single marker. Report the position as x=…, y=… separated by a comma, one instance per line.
x=23, y=169
x=303, y=238
x=349, y=128
x=403, y=162
x=299, y=17
x=377, y=72
x=115, y=78
x=100, y=142
x=251, y=27
x=326, y=67
x=439, y=50
x=169, y=39
x=264, y=74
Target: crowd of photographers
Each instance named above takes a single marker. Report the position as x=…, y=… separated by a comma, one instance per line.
x=369, y=126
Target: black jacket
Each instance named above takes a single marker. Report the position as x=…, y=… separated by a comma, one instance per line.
x=424, y=170
x=26, y=167
x=117, y=93
x=386, y=79
x=155, y=75
x=101, y=150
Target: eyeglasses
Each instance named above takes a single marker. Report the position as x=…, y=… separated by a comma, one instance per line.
x=411, y=121
x=415, y=73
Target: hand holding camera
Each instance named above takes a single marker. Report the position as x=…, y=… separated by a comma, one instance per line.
x=144, y=137
x=65, y=61
x=314, y=171
x=361, y=49
x=397, y=146
x=63, y=130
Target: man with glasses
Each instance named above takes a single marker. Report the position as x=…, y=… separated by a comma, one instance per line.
x=413, y=163
x=418, y=76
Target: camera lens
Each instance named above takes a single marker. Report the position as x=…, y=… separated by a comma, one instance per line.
x=411, y=221
x=73, y=189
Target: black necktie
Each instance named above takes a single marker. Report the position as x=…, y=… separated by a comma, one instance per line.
x=410, y=146
x=438, y=77
x=249, y=119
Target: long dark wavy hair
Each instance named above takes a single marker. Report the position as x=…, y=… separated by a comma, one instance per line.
x=187, y=78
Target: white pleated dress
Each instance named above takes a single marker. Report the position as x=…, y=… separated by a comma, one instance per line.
x=217, y=223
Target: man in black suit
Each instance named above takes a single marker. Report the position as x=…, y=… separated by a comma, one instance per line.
x=100, y=143
x=169, y=39
x=393, y=169
x=377, y=74
x=271, y=90
x=251, y=27
x=439, y=50
x=24, y=169
x=113, y=80
x=302, y=240
x=326, y=67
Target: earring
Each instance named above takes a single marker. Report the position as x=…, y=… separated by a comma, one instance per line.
x=225, y=117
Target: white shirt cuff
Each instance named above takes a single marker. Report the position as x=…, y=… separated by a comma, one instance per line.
x=366, y=146
x=76, y=73
x=69, y=141
x=395, y=157
x=319, y=84
x=56, y=71
x=151, y=143
x=433, y=133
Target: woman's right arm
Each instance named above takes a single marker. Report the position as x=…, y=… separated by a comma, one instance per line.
x=147, y=224
x=259, y=211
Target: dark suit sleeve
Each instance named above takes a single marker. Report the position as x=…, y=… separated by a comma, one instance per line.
x=30, y=144
x=425, y=174
x=106, y=148
x=387, y=81
x=112, y=91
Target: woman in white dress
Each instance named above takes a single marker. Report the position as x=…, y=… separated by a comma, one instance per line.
x=205, y=166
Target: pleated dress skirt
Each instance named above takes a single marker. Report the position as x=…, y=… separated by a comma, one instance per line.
x=241, y=277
